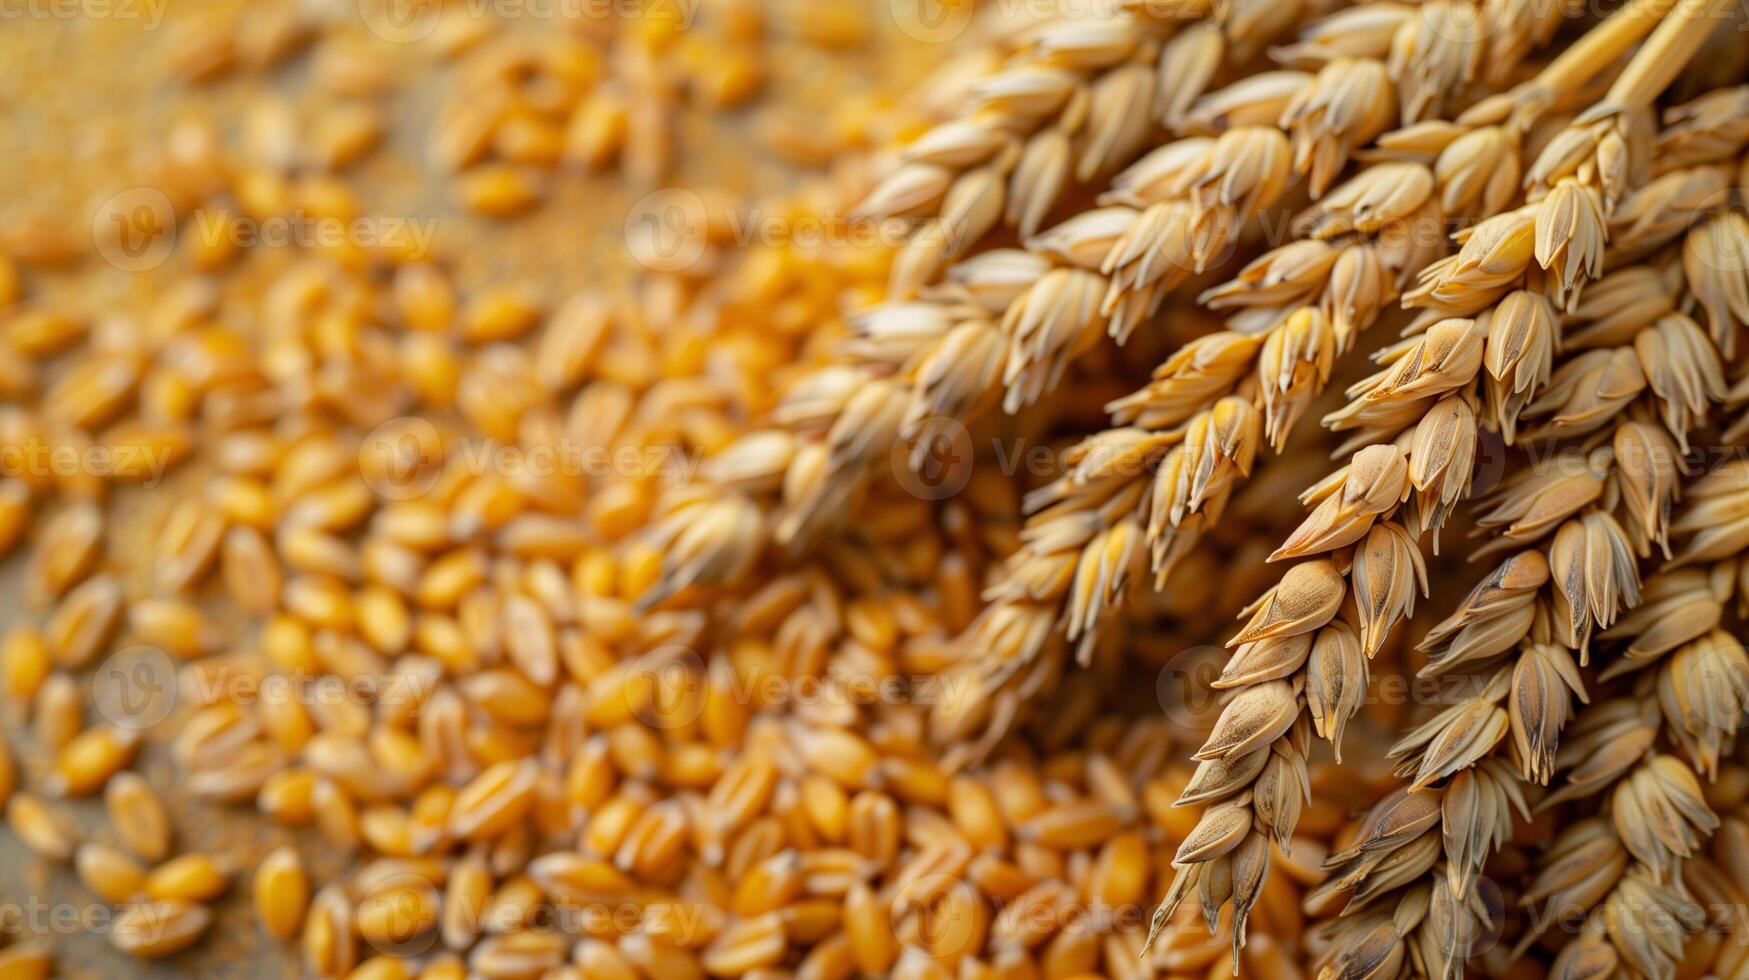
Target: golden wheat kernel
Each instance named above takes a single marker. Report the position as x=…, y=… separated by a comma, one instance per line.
x=428, y=817
x=524, y=138
x=26, y=662
x=287, y=797
x=306, y=548
x=59, y=711
x=386, y=830
x=596, y=131
x=343, y=134
x=212, y=252
x=44, y=828
x=383, y=619
x=693, y=765
x=202, y=52
x=336, y=814
x=490, y=742
x=137, y=816
x=499, y=190
x=85, y=620
x=448, y=578
x=174, y=625
x=514, y=954
x=85, y=763
x=494, y=800
x=27, y=959
x=620, y=509
x=745, y=946
x=192, y=877
x=159, y=928
x=109, y=872
x=425, y=297
x=607, y=827
x=432, y=367
x=595, y=573
x=503, y=313
x=398, y=910
x=329, y=942
x=42, y=333
x=640, y=568
x=600, y=960
x=288, y=644
x=320, y=600
x=441, y=638
x=421, y=524
x=466, y=895
x=512, y=905
x=244, y=500
x=167, y=400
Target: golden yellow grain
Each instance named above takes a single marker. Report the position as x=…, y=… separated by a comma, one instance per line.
x=192, y=877
x=44, y=828
x=398, y=911
x=328, y=941
x=59, y=711
x=25, y=661
x=498, y=190
x=137, y=816
x=110, y=873
x=85, y=764
x=84, y=621
x=29, y=959
x=287, y=797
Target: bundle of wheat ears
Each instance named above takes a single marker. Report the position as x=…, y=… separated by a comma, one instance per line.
x=986, y=638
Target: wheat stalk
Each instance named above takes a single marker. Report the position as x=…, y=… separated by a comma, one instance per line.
x=1475, y=174
x=1416, y=401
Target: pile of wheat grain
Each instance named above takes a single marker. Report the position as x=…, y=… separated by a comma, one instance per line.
x=425, y=575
